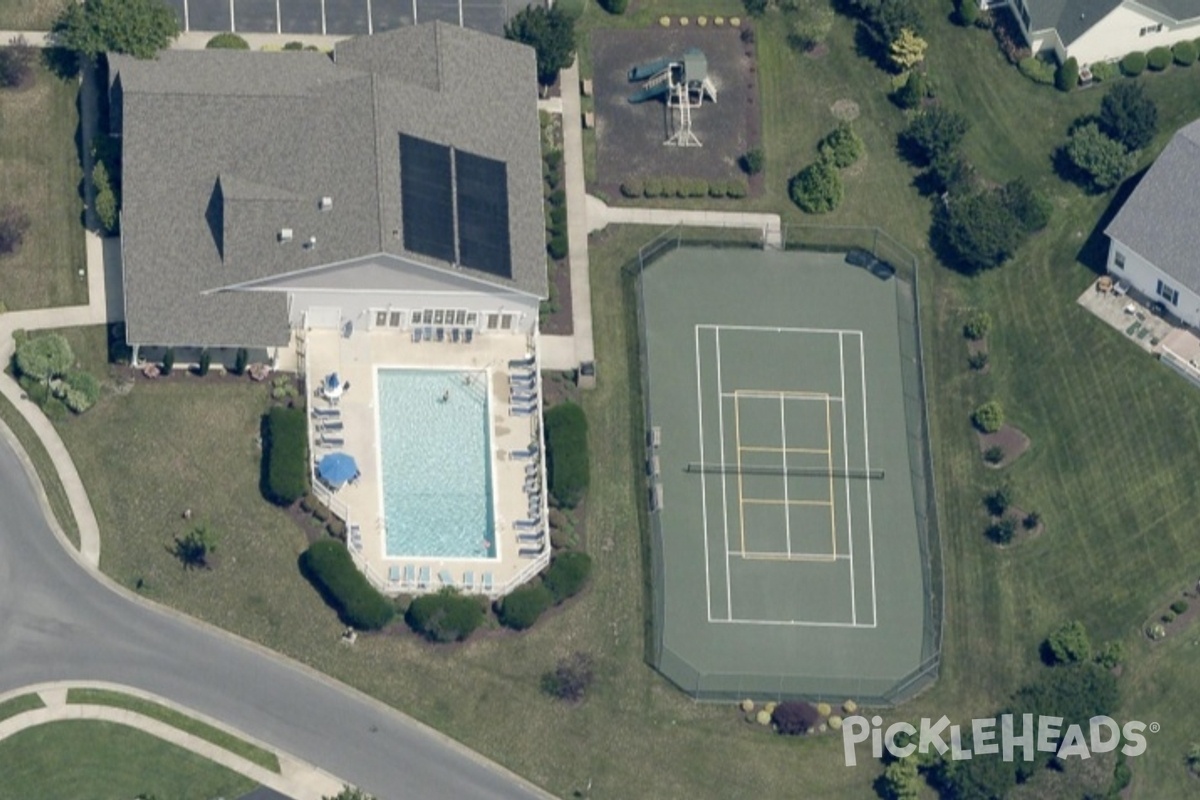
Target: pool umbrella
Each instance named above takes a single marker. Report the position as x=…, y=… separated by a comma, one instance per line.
x=333, y=386
x=337, y=468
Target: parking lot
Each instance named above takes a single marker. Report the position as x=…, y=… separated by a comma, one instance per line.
x=339, y=17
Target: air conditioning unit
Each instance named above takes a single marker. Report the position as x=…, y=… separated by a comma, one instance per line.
x=326, y=203
x=285, y=235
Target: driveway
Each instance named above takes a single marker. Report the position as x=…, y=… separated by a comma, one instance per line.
x=59, y=622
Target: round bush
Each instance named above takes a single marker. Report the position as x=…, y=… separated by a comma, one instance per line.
x=1158, y=59
x=1104, y=71
x=632, y=188
x=1133, y=64
x=294, y=46
x=989, y=417
x=1179, y=606
x=835, y=722
x=978, y=325
x=568, y=574
x=850, y=707
x=328, y=564
x=522, y=607
x=817, y=188
x=557, y=247
x=1066, y=77
x=227, y=41
x=824, y=709
x=747, y=705
x=795, y=717
x=1185, y=53
x=445, y=617
x=843, y=146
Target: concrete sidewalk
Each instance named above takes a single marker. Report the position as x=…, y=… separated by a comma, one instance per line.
x=296, y=778
x=577, y=214
x=600, y=215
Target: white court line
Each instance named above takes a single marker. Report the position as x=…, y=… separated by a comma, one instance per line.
x=323, y=17
x=862, y=366
x=460, y=19
x=278, y=19
x=187, y=18
x=724, y=483
x=414, y=11
x=703, y=479
x=787, y=512
x=846, y=465
x=370, y=20
x=771, y=329
x=795, y=622
x=232, y=18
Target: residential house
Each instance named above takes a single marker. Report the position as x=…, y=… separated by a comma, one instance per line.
x=1104, y=30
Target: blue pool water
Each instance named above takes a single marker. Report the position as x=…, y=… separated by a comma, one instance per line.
x=435, y=451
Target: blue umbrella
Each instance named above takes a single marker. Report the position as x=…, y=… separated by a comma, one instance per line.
x=332, y=382
x=337, y=468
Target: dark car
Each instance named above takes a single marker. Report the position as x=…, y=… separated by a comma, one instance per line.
x=863, y=258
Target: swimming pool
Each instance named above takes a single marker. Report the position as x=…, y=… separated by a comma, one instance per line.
x=435, y=460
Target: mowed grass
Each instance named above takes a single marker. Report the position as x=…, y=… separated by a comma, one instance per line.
x=176, y=719
x=56, y=493
x=92, y=760
x=28, y=15
x=39, y=168
x=19, y=705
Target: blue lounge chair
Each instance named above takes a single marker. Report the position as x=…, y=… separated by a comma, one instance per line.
x=523, y=363
x=423, y=578
x=523, y=411
x=469, y=335
x=410, y=574
x=531, y=536
x=427, y=333
x=454, y=335
x=416, y=334
x=468, y=580
x=441, y=334
x=486, y=582
x=393, y=574
x=446, y=578
x=528, y=453
x=527, y=523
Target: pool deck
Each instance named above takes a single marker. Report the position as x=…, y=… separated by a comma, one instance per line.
x=355, y=359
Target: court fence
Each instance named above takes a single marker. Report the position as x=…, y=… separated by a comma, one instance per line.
x=724, y=687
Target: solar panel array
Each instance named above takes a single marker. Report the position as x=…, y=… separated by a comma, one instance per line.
x=432, y=190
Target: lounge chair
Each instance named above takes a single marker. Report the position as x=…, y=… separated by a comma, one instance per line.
x=410, y=575
x=356, y=537
x=469, y=335
x=326, y=412
x=330, y=424
x=522, y=377
x=454, y=335
x=529, y=453
x=486, y=582
x=523, y=411
x=427, y=333
x=527, y=523
x=446, y=578
x=441, y=334
x=423, y=578
x=531, y=536
x=393, y=574
x=416, y=335
x=518, y=363
x=468, y=580
x=532, y=552
x=521, y=395
x=332, y=441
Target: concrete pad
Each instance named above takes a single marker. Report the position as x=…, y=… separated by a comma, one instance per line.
x=300, y=16
x=389, y=14
x=254, y=16
x=209, y=15
x=346, y=17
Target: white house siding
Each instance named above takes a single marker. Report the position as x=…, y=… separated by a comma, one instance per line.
x=360, y=308
x=1119, y=33
x=1144, y=277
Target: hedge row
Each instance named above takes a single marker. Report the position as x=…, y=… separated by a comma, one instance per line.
x=328, y=564
x=568, y=574
x=567, y=452
x=557, y=243
x=684, y=187
x=446, y=616
x=566, y=577
x=285, y=448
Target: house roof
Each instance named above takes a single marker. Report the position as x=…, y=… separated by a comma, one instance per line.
x=1158, y=221
x=222, y=150
x=1073, y=18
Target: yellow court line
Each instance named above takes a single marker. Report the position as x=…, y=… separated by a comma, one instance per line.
x=766, y=502
x=763, y=394
x=812, y=557
x=832, y=510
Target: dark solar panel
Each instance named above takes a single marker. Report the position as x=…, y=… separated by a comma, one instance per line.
x=482, y=214
x=427, y=203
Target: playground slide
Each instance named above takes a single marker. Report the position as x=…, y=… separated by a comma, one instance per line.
x=644, y=72
x=656, y=91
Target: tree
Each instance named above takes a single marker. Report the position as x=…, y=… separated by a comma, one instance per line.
x=139, y=28
x=14, y=222
x=240, y=360
x=227, y=41
x=570, y=678
x=106, y=197
x=615, y=6
x=1104, y=160
x=1069, y=644
x=348, y=792
x=755, y=8
x=1128, y=115
x=952, y=173
x=568, y=574
x=901, y=780
x=168, y=361
x=445, y=616
x=1026, y=204
x=44, y=357
x=1193, y=758
x=817, y=188
x=912, y=92
x=753, y=161
x=194, y=548
x=933, y=134
x=794, y=717
x=551, y=33
x=1066, y=77
x=907, y=50
x=978, y=230
x=966, y=12
x=842, y=146
x=205, y=363
x=16, y=63
x=811, y=26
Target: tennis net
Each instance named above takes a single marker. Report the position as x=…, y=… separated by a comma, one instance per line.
x=766, y=469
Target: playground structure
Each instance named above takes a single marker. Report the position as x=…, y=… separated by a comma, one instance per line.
x=682, y=83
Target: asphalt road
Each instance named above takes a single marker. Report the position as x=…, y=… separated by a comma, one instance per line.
x=57, y=622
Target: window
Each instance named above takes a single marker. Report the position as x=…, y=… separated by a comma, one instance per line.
x=428, y=316
x=1151, y=29
x=472, y=319
x=380, y=319
x=395, y=318
x=506, y=321
x=438, y=316
x=493, y=321
x=1119, y=260
x=460, y=316
x=1168, y=294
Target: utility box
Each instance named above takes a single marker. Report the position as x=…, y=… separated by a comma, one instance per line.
x=585, y=376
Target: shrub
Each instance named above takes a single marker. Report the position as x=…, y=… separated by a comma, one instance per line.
x=558, y=218
x=755, y=8
x=568, y=574
x=1129, y=116
x=842, y=146
x=736, y=188
x=205, y=363
x=558, y=197
x=1155, y=631
x=978, y=361
x=1002, y=531
x=1185, y=53
x=1066, y=77
x=634, y=187
x=1069, y=644
x=168, y=361
x=1133, y=64
x=615, y=6
x=653, y=187
x=570, y=678
x=989, y=417
x=1168, y=617
x=1158, y=59
x=817, y=188
x=14, y=222
x=978, y=325
x=1037, y=69
x=1030, y=208
x=82, y=390
x=966, y=12
x=671, y=187
x=554, y=159
x=16, y=63
x=558, y=247
x=933, y=134
x=697, y=187
x=285, y=448
x=227, y=41
x=911, y=92
x=240, y=361
x=1104, y=160
x=753, y=161
x=522, y=607
x=810, y=26
x=998, y=500
x=328, y=564
x=194, y=548
x=567, y=451
x=1032, y=520
x=1179, y=606
x=795, y=717
x=1111, y=655
x=994, y=454
x=44, y=357
x=446, y=616
x=294, y=46
x=1104, y=71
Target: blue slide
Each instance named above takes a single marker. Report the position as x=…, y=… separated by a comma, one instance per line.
x=651, y=93
x=644, y=72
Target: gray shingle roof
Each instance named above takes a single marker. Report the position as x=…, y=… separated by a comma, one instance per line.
x=224, y=149
x=1158, y=221
x=1073, y=18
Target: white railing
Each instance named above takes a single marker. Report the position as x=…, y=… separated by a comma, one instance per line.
x=1180, y=364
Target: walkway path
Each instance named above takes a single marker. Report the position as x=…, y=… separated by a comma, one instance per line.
x=599, y=215
x=296, y=778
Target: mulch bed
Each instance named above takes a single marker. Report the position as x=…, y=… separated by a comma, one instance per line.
x=1181, y=621
x=1009, y=438
x=1022, y=533
x=562, y=321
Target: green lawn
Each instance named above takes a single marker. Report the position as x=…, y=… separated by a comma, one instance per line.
x=86, y=760
x=19, y=705
x=39, y=168
x=176, y=719
x=28, y=15
x=55, y=492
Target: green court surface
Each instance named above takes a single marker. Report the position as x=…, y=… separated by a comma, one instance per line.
x=786, y=534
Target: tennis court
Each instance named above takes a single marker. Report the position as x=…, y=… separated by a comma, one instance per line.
x=788, y=548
